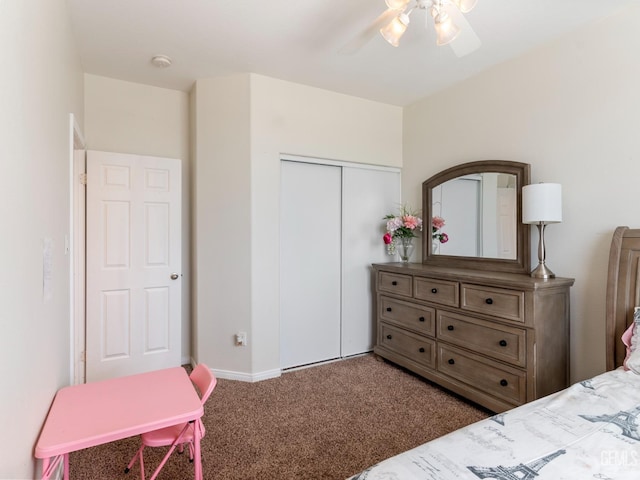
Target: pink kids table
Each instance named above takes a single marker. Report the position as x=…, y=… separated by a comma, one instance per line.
x=91, y=414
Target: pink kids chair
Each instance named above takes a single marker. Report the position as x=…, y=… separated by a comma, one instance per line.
x=205, y=381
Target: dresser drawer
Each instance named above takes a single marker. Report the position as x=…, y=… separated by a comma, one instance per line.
x=501, y=342
x=441, y=292
x=409, y=315
x=413, y=346
x=498, y=302
x=492, y=378
x=395, y=283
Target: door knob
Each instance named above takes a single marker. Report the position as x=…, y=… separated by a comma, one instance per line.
x=174, y=276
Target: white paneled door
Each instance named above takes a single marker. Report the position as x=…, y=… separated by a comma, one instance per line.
x=507, y=223
x=331, y=227
x=133, y=318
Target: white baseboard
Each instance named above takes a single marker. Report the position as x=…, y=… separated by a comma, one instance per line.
x=247, y=377
x=242, y=376
x=266, y=375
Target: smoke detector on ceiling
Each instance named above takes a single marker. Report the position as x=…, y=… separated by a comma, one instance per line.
x=161, y=61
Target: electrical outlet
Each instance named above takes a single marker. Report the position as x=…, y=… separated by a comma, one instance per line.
x=241, y=339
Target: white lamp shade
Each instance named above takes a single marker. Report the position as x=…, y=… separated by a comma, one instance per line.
x=397, y=4
x=542, y=202
x=395, y=29
x=465, y=6
x=446, y=30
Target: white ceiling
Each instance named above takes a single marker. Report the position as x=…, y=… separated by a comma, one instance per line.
x=301, y=41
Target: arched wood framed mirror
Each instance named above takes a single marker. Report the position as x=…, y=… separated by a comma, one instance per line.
x=481, y=205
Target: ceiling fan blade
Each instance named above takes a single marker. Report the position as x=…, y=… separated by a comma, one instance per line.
x=467, y=40
x=368, y=33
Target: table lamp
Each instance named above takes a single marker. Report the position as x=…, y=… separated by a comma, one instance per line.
x=542, y=205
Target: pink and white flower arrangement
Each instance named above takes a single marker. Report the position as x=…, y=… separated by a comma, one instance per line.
x=403, y=225
x=436, y=224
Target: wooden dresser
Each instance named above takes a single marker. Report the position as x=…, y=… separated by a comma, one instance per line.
x=498, y=339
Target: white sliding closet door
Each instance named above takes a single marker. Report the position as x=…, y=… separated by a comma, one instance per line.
x=456, y=196
x=310, y=232
x=367, y=196
x=331, y=227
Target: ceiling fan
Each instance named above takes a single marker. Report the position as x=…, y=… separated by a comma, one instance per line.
x=448, y=18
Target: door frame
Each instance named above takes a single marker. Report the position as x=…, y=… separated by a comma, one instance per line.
x=76, y=245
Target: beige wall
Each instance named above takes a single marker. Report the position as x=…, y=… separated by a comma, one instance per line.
x=222, y=212
x=571, y=110
x=306, y=121
x=40, y=85
x=243, y=124
x=140, y=119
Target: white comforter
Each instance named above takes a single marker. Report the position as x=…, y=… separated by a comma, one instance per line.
x=591, y=430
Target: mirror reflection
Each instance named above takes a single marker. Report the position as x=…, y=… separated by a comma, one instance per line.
x=480, y=216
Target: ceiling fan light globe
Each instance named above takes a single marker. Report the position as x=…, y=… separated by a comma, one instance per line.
x=397, y=4
x=446, y=30
x=395, y=29
x=465, y=6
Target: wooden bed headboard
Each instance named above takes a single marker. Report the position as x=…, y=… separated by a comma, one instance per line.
x=623, y=290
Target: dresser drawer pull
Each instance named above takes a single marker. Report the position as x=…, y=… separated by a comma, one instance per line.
x=503, y=343
x=389, y=337
x=450, y=328
x=451, y=361
x=421, y=350
x=434, y=290
x=504, y=383
x=388, y=309
x=421, y=319
x=394, y=283
x=489, y=301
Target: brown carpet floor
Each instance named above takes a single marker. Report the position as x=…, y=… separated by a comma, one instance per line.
x=325, y=422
